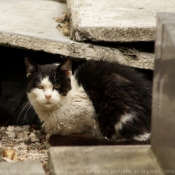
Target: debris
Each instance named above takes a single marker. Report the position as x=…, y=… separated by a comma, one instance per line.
x=133, y=53
x=62, y=19
x=63, y=24
x=19, y=143
x=10, y=154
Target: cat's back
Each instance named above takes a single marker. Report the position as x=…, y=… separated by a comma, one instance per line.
x=93, y=72
x=121, y=97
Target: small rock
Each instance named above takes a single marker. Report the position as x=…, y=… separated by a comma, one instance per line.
x=7, y=159
x=19, y=129
x=26, y=140
x=38, y=134
x=10, y=128
x=26, y=128
x=34, y=139
x=38, y=143
x=19, y=134
x=32, y=135
x=2, y=128
x=26, y=133
x=23, y=146
x=10, y=154
x=11, y=134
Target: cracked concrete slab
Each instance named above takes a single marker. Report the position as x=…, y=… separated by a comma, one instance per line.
x=31, y=24
x=116, y=21
x=103, y=160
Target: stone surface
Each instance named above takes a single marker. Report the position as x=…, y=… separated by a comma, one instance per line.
x=20, y=28
x=103, y=160
x=111, y=21
x=18, y=168
x=163, y=123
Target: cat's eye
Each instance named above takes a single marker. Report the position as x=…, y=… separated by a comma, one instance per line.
x=40, y=87
x=56, y=86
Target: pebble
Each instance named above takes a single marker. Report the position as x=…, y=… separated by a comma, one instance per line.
x=11, y=134
x=19, y=129
x=10, y=128
x=27, y=145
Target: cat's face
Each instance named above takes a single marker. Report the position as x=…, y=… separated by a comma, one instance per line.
x=48, y=84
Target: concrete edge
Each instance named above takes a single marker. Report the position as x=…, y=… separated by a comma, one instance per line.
x=32, y=167
x=62, y=159
x=77, y=50
x=80, y=34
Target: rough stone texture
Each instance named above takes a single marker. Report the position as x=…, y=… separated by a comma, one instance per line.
x=163, y=123
x=103, y=160
x=20, y=28
x=34, y=18
x=115, y=20
x=26, y=144
x=25, y=168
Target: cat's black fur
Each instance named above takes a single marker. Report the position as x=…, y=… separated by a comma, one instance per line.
x=83, y=140
x=115, y=90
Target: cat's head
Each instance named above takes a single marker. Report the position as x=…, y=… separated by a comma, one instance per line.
x=47, y=84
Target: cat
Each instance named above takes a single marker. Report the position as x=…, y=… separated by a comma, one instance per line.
x=98, y=103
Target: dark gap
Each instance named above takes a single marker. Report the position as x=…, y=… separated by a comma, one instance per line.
x=13, y=84
x=140, y=46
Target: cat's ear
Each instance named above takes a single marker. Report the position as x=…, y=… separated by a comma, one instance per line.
x=66, y=66
x=31, y=67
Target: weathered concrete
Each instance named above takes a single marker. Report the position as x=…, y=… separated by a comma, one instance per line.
x=116, y=20
x=31, y=25
x=163, y=121
x=22, y=168
x=103, y=160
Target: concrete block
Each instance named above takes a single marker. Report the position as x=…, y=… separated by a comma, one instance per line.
x=31, y=25
x=103, y=160
x=19, y=168
x=116, y=21
x=163, y=121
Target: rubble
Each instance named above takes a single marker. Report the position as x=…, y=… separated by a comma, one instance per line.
x=19, y=143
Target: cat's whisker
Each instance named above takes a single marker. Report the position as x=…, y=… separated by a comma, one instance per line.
x=23, y=107
x=26, y=113
x=24, y=104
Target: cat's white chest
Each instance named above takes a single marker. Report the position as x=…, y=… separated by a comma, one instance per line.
x=75, y=114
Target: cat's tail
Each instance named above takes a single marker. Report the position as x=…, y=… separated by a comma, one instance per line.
x=83, y=140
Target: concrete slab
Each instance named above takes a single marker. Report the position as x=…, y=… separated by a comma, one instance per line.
x=163, y=123
x=116, y=21
x=30, y=24
x=34, y=18
x=18, y=168
x=119, y=160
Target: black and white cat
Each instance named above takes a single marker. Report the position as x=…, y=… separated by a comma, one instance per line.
x=99, y=103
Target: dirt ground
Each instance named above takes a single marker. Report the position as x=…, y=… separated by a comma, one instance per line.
x=22, y=143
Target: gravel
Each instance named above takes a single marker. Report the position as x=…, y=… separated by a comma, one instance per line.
x=24, y=142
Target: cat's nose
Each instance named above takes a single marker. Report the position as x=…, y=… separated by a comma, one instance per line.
x=48, y=96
